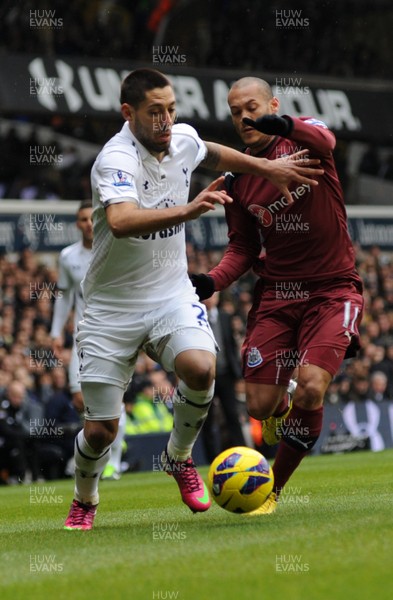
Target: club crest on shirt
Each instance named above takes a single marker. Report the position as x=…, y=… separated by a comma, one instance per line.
x=254, y=358
x=264, y=216
x=120, y=179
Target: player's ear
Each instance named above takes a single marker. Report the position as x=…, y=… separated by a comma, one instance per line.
x=274, y=104
x=127, y=111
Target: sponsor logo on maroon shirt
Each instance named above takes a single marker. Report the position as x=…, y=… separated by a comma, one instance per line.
x=265, y=214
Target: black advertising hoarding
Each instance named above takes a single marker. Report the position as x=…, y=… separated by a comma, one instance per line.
x=63, y=85
x=49, y=227
x=347, y=424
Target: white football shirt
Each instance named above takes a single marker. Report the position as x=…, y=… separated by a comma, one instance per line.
x=140, y=272
x=73, y=263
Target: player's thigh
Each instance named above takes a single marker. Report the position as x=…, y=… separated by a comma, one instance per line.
x=327, y=328
x=182, y=339
x=108, y=345
x=102, y=401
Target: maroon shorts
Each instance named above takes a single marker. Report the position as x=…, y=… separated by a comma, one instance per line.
x=303, y=324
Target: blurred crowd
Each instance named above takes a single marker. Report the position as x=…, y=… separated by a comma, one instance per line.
x=336, y=39
x=37, y=419
x=370, y=375
x=31, y=170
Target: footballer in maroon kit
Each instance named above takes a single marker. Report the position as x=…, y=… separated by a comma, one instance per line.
x=308, y=301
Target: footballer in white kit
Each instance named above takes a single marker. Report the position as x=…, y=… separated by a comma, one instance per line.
x=137, y=291
x=143, y=279
x=73, y=263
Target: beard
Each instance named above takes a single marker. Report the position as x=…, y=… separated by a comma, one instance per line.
x=149, y=140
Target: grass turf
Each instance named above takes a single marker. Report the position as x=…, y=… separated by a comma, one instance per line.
x=331, y=537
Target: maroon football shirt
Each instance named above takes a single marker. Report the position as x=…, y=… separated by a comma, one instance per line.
x=307, y=240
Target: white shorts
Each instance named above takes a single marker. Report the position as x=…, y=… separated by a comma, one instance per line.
x=109, y=341
x=73, y=371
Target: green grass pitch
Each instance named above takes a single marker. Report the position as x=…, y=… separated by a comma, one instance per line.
x=330, y=539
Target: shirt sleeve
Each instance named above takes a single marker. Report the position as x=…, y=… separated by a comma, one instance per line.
x=195, y=147
x=114, y=178
x=201, y=149
x=313, y=134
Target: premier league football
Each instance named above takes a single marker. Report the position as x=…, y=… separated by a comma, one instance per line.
x=240, y=479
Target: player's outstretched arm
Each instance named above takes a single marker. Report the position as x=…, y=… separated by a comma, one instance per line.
x=126, y=218
x=280, y=172
x=309, y=133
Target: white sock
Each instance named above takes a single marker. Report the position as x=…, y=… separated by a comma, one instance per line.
x=117, y=444
x=190, y=410
x=88, y=468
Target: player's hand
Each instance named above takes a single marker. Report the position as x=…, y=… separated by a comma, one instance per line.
x=296, y=167
x=206, y=199
x=203, y=284
x=271, y=125
x=57, y=347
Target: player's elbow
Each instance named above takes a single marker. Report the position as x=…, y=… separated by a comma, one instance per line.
x=117, y=230
x=116, y=222
x=121, y=228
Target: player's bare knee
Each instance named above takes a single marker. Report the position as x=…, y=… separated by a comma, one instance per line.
x=200, y=377
x=258, y=412
x=310, y=393
x=258, y=407
x=198, y=372
x=261, y=400
x=99, y=435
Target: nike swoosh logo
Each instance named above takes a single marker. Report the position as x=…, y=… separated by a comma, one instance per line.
x=205, y=498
